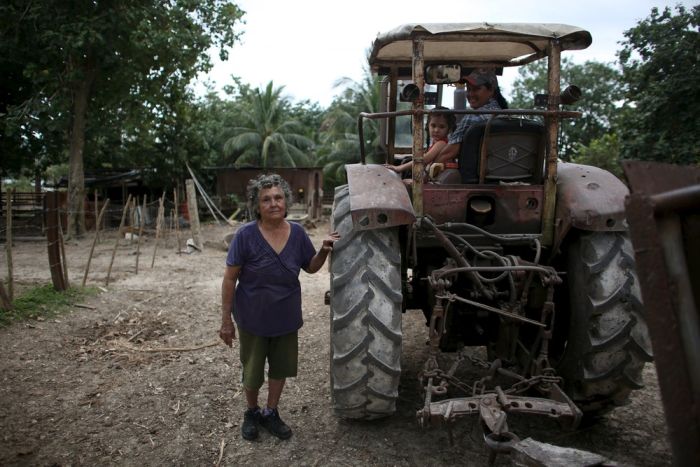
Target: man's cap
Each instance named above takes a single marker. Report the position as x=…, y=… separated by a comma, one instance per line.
x=481, y=76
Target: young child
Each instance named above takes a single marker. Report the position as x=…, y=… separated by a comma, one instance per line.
x=439, y=127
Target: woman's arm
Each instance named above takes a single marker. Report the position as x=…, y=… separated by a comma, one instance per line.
x=227, y=333
x=320, y=257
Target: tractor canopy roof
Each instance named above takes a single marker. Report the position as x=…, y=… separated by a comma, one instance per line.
x=499, y=44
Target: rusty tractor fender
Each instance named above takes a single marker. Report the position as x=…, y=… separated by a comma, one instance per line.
x=588, y=198
x=378, y=197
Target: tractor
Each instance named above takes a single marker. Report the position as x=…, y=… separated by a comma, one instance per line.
x=521, y=263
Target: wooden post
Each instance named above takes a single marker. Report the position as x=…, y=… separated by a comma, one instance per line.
x=8, y=245
x=158, y=222
x=62, y=249
x=552, y=126
x=116, y=244
x=97, y=225
x=94, y=242
x=52, y=220
x=5, y=302
x=143, y=221
x=132, y=219
x=169, y=233
x=165, y=228
x=194, y=214
x=177, y=222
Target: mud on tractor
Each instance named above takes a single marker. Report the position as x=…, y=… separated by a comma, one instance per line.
x=522, y=255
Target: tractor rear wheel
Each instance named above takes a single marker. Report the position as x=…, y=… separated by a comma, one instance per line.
x=608, y=342
x=365, y=317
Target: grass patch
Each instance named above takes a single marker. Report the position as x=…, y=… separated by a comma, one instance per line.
x=43, y=302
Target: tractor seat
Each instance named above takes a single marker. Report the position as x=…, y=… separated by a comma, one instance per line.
x=514, y=150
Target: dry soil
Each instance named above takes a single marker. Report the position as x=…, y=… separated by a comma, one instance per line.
x=98, y=386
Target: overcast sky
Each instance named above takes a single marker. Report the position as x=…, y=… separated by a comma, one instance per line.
x=307, y=45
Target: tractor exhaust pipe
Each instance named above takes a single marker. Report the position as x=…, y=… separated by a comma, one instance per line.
x=570, y=95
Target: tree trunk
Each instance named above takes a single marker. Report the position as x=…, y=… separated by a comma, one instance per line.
x=76, y=175
x=37, y=179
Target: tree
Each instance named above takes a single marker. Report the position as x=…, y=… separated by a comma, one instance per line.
x=601, y=96
x=340, y=142
x=32, y=135
x=269, y=137
x=602, y=152
x=85, y=59
x=310, y=116
x=661, y=75
x=215, y=119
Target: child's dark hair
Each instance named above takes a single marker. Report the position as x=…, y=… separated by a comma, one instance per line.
x=449, y=118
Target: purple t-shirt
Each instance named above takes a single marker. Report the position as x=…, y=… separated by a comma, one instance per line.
x=267, y=301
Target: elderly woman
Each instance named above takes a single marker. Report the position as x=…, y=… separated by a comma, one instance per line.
x=261, y=292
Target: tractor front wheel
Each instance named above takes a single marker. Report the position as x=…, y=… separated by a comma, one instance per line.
x=365, y=317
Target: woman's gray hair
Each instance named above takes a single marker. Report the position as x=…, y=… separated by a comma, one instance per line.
x=264, y=181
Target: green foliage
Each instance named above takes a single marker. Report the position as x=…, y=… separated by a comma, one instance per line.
x=661, y=75
x=603, y=152
x=268, y=136
x=340, y=142
x=531, y=80
x=136, y=58
x=42, y=302
x=132, y=60
x=601, y=95
x=310, y=116
x=33, y=136
x=19, y=184
x=55, y=172
x=213, y=124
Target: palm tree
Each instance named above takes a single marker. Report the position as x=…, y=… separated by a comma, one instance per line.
x=340, y=139
x=268, y=137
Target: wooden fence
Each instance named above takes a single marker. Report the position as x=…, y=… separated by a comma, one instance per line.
x=27, y=210
x=37, y=215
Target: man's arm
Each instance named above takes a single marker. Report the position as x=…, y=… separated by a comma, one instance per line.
x=227, y=333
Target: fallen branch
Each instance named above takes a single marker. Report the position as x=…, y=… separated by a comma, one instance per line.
x=80, y=305
x=118, y=315
x=221, y=452
x=168, y=349
x=134, y=336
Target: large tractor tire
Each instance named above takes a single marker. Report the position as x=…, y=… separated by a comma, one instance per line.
x=365, y=317
x=608, y=342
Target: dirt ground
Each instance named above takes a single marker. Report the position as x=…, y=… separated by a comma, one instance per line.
x=94, y=386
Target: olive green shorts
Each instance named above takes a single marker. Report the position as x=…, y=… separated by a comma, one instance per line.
x=281, y=353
